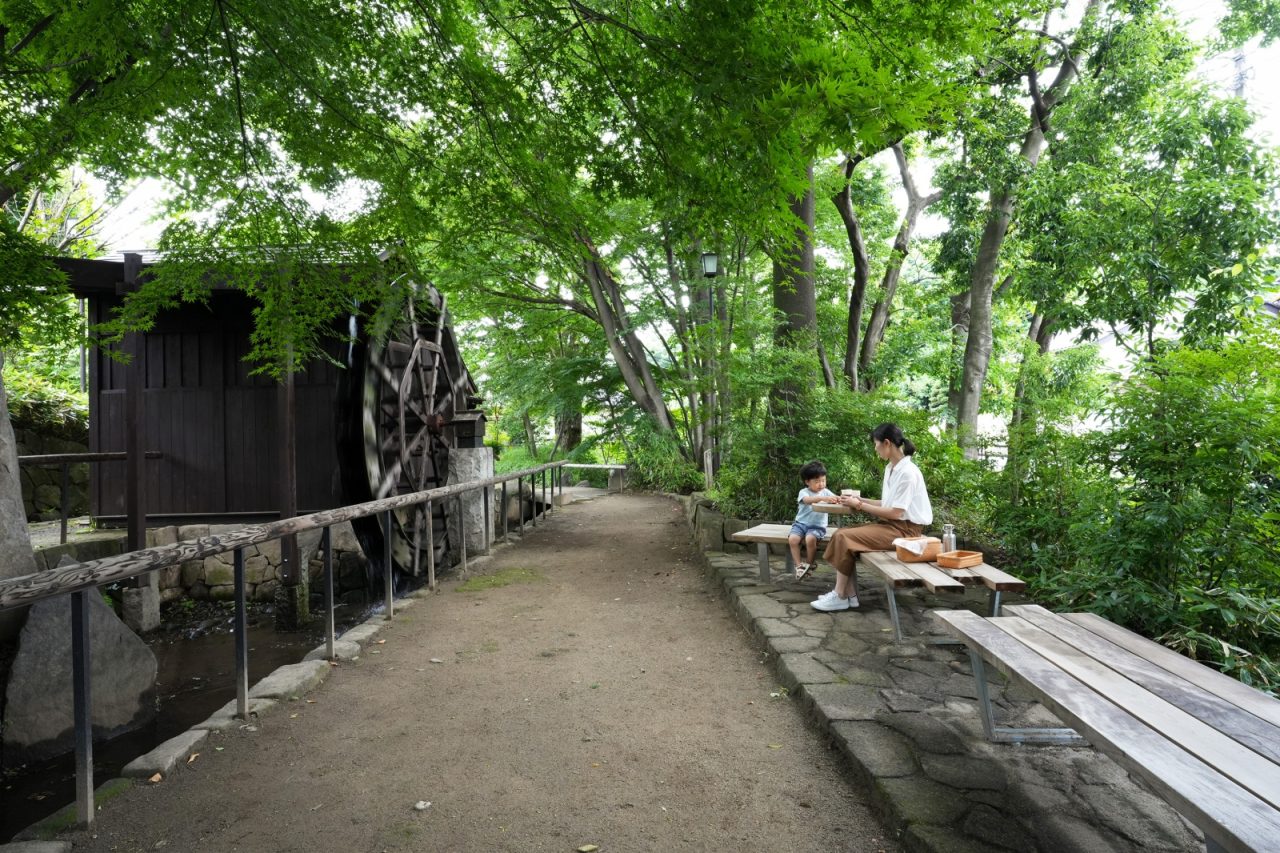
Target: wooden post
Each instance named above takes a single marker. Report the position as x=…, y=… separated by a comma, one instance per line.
x=286, y=424
x=135, y=381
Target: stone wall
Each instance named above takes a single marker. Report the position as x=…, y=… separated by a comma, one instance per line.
x=712, y=529
x=214, y=578
x=41, y=485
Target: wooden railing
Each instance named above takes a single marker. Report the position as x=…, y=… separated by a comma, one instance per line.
x=80, y=579
x=65, y=461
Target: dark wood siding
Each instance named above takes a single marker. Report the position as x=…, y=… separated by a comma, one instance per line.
x=213, y=420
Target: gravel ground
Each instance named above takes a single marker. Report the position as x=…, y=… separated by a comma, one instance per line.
x=586, y=687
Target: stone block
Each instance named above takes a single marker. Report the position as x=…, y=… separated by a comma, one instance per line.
x=188, y=532
x=217, y=573
x=343, y=537
x=170, y=577
x=291, y=680
x=997, y=829
x=140, y=608
x=928, y=734
x=945, y=839
x=879, y=749
x=224, y=592
x=165, y=757
x=761, y=607
x=157, y=536
x=709, y=529
x=798, y=669
x=257, y=569
x=36, y=847
x=192, y=573
x=38, y=702
x=363, y=632
x=342, y=650
x=225, y=717
x=266, y=591
x=921, y=801
x=834, y=702
x=964, y=771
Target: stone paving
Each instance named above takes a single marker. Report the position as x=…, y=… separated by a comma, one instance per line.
x=906, y=717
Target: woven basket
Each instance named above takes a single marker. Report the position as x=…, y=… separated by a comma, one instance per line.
x=932, y=545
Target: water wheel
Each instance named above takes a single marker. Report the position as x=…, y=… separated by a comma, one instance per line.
x=396, y=401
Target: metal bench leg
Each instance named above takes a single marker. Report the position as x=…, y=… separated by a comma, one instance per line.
x=995, y=602
x=893, y=611
x=1004, y=734
x=762, y=549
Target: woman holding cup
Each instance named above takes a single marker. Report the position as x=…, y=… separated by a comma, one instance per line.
x=902, y=511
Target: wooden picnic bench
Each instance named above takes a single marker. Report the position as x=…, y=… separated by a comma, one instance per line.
x=765, y=535
x=1205, y=742
x=899, y=575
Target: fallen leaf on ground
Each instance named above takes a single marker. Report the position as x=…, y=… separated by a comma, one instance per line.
x=293, y=716
x=775, y=746
x=219, y=748
x=381, y=642
x=421, y=806
x=436, y=660
x=311, y=701
x=192, y=757
x=156, y=778
x=588, y=848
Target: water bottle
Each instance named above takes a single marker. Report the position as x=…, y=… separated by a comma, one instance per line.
x=948, y=538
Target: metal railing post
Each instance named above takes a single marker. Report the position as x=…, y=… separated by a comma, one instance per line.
x=242, y=640
x=486, y=495
x=546, y=507
x=65, y=501
x=81, y=690
x=389, y=583
x=520, y=502
x=462, y=534
x=326, y=542
x=505, y=512
x=431, y=547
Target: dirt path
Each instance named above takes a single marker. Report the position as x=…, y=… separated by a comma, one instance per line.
x=607, y=698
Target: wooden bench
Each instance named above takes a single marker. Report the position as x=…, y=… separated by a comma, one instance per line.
x=1205, y=742
x=765, y=535
x=899, y=575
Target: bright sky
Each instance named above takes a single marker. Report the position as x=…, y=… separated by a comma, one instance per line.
x=130, y=226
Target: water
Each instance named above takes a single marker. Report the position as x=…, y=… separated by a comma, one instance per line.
x=195, y=677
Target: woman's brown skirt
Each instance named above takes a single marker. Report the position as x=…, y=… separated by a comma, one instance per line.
x=848, y=542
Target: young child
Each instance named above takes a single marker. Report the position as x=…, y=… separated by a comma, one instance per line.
x=810, y=525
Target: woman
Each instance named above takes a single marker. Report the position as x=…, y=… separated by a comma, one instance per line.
x=903, y=510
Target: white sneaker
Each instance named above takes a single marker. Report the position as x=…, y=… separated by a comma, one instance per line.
x=831, y=603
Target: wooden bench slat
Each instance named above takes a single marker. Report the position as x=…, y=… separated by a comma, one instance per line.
x=902, y=574
x=936, y=580
x=897, y=573
x=1246, y=728
x=1241, y=695
x=996, y=579
x=1233, y=760
x=773, y=534
x=1236, y=818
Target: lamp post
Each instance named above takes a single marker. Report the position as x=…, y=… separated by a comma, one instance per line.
x=710, y=264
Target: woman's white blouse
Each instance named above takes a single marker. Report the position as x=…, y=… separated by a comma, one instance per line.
x=903, y=488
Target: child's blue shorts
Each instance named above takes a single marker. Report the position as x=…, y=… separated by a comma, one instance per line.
x=801, y=529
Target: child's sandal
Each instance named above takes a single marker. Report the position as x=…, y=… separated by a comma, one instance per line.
x=802, y=570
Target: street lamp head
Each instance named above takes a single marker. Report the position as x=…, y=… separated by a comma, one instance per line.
x=710, y=264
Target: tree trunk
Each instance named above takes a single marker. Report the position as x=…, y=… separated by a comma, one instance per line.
x=977, y=354
x=879, y=321
x=16, y=556
x=794, y=298
x=1021, y=424
x=843, y=201
x=959, y=334
x=624, y=345
x=569, y=431
x=530, y=439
